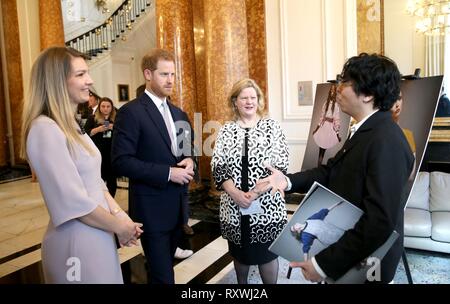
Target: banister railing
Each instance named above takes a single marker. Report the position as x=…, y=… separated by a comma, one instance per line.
x=102, y=37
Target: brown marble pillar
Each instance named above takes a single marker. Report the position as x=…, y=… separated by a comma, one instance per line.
x=226, y=53
x=257, y=52
x=51, y=23
x=200, y=68
x=226, y=60
x=174, y=32
x=3, y=146
x=13, y=71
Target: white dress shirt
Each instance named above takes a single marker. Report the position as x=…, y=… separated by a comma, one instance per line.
x=159, y=105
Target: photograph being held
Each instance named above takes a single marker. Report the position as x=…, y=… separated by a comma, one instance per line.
x=316, y=228
x=83, y=215
x=249, y=220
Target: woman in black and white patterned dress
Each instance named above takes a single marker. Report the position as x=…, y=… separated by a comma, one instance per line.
x=249, y=221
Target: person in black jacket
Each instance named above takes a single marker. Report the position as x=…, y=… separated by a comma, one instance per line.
x=99, y=127
x=371, y=171
x=159, y=167
x=443, y=109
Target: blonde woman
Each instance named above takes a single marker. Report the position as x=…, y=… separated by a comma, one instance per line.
x=79, y=245
x=250, y=221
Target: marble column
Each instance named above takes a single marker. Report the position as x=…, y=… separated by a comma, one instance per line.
x=174, y=32
x=200, y=66
x=226, y=49
x=226, y=61
x=3, y=148
x=256, y=33
x=51, y=23
x=13, y=72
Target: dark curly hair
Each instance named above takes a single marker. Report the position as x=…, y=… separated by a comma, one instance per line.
x=373, y=75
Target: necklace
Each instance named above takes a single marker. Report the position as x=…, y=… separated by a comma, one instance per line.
x=248, y=124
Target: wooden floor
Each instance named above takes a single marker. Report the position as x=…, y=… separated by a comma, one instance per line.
x=24, y=219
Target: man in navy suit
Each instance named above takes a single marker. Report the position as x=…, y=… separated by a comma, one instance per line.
x=150, y=148
x=371, y=170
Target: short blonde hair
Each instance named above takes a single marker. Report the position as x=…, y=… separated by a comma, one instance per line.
x=237, y=88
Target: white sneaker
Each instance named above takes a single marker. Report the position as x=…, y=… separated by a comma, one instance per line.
x=183, y=253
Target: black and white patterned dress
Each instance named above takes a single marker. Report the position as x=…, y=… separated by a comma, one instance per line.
x=240, y=154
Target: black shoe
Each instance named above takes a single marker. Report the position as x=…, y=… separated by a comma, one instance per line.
x=188, y=230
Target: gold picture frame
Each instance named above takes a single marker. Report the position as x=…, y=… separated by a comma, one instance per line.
x=440, y=135
x=441, y=122
x=370, y=26
x=123, y=92
x=441, y=130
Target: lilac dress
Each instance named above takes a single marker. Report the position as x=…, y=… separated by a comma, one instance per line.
x=72, y=252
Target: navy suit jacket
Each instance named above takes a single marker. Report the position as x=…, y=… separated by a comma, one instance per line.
x=371, y=171
x=141, y=151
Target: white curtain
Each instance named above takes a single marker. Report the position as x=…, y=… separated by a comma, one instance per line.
x=446, y=82
x=437, y=62
x=434, y=52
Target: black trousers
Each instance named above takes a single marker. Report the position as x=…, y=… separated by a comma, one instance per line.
x=159, y=249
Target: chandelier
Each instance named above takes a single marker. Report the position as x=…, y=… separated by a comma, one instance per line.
x=434, y=16
x=102, y=6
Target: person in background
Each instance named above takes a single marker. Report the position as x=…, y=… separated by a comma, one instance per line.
x=396, y=110
x=249, y=221
x=83, y=111
x=79, y=244
x=145, y=150
x=371, y=170
x=443, y=109
x=140, y=90
x=93, y=101
x=99, y=127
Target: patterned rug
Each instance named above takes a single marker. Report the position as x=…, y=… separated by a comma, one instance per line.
x=426, y=268
x=254, y=277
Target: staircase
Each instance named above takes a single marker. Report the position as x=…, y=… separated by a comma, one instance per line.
x=102, y=38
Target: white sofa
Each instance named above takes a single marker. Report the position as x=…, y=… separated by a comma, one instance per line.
x=427, y=214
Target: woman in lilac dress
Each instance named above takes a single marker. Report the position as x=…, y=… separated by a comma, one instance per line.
x=79, y=245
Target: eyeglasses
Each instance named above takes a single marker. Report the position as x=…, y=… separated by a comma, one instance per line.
x=342, y=81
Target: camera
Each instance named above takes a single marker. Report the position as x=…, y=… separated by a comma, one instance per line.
x=107, y=133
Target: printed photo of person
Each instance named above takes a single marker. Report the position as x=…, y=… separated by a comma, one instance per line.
x=326, y=134
x=328, y=129
x=316, y=228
